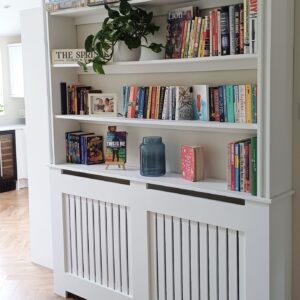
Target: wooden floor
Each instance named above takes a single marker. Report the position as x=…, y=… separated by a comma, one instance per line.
x=19, y=278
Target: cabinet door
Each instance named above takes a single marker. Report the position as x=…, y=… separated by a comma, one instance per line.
x=21, y=154
x=7, y=156
x=16, y=70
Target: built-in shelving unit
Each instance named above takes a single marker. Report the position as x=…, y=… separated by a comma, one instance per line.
x=239, y=238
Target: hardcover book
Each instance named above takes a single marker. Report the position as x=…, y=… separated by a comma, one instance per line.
x=184, y=103
x=192, y=163
x=92, y=152
x=201, y=100
x=116, y=146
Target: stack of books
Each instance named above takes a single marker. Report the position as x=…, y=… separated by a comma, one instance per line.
x=228, y=30
x=242, y=166
x=84, y=148
x=55, y=5
x=226, y=103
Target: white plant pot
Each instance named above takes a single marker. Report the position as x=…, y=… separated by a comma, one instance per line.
x=125, y=54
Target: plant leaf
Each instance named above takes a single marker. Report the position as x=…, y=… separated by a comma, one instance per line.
x=89, y=43
x=98, y=68
x=125, y=7
x=156, y=47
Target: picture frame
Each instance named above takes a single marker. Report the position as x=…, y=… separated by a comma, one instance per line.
x=102, y=104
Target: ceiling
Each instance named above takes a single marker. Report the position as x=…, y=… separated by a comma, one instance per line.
x=10, y=17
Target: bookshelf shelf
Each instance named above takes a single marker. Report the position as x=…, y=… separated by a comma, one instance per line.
x=203, y=64
x=164, y=124
x=171, y=180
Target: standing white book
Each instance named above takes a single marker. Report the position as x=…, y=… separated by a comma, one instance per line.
x=201, y=101
x=253, y=26
x=242, y=102
x=165, y=112
x=236, y=104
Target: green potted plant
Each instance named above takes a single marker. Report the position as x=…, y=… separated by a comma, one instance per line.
x=128, y=27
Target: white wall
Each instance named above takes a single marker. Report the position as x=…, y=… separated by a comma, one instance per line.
x=14, y=107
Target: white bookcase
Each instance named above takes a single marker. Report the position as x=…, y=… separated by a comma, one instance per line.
x=118, y=235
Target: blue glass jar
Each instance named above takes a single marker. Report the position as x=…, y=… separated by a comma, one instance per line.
x=152, y=157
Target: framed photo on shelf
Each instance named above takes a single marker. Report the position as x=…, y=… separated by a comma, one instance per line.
x=102, y=104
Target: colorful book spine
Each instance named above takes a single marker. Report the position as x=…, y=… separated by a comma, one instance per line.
x=158, y=90
x=153, y=102
x=246, y=27
x=230, y=103
x=211, y=105
x=254, y=166
x=237, y=9
x=248, y=104
x=197, y=39
x=242, y=170
x=237, y=167
x=165, y=112
x=146, y=98
x=232, y=29
x=232, y=167
x=149, y=104
x=141, y=101
x=225, y=43
x=221, y=104
x=242, y=102
x=225, y=103
x=161, y=101
x=236, y=104
x=254, y=103
x=216, y=105
x=253, y=26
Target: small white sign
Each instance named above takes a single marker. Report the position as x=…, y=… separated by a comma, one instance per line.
x=70, y=56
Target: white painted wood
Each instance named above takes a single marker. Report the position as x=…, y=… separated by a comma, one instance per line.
x=124, y=258
x=79, y=236
x=169, y=257
x=242, y=266
x=91, y=240
x=186, y=278
x=73, y=227
x=195, y=261
x=204, y=273
x=110, y=246
x=153, y=256
x=67, y=231
x=169, y=124
x=212, y=255
x=98, y=262
x=177, y=258
x=117, y=246
x=232, y=265
x=104, y=244
x=37, y=111
x=203, y=64
x=211, y=186
x=130, y=253
x=161, y=257
x=222, y=263
x=85, y=241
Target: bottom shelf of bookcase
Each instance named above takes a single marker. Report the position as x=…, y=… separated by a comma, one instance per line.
x=170, y=180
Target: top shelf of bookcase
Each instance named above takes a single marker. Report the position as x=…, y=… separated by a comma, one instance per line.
x=203, y=64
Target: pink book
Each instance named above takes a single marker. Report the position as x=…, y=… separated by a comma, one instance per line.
x=192, y=163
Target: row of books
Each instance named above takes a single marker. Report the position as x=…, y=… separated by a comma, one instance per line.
x=242, y=166
x=233, y=103
x=74, y=98
x=228, y=30
x=84, y=148
x=226, y=103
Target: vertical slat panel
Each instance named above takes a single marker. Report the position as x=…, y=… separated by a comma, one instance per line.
x=213, y=286
x=110, y=245
x=242, y=269
x=169, y=257
x=222, y=255
x=103, y=242
x=161, y=256
x=232, y=265
x=85, y=248
x=185, y=259
x=124, y=262
x=177, y=259
x=117, y=253
x=98, y=262
x=203, y=236
x=91, y=239
x=79, y=236
x=68, y=232
x=73, y=234
x=129, y=254
x=153, y=256
x=195, y=292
